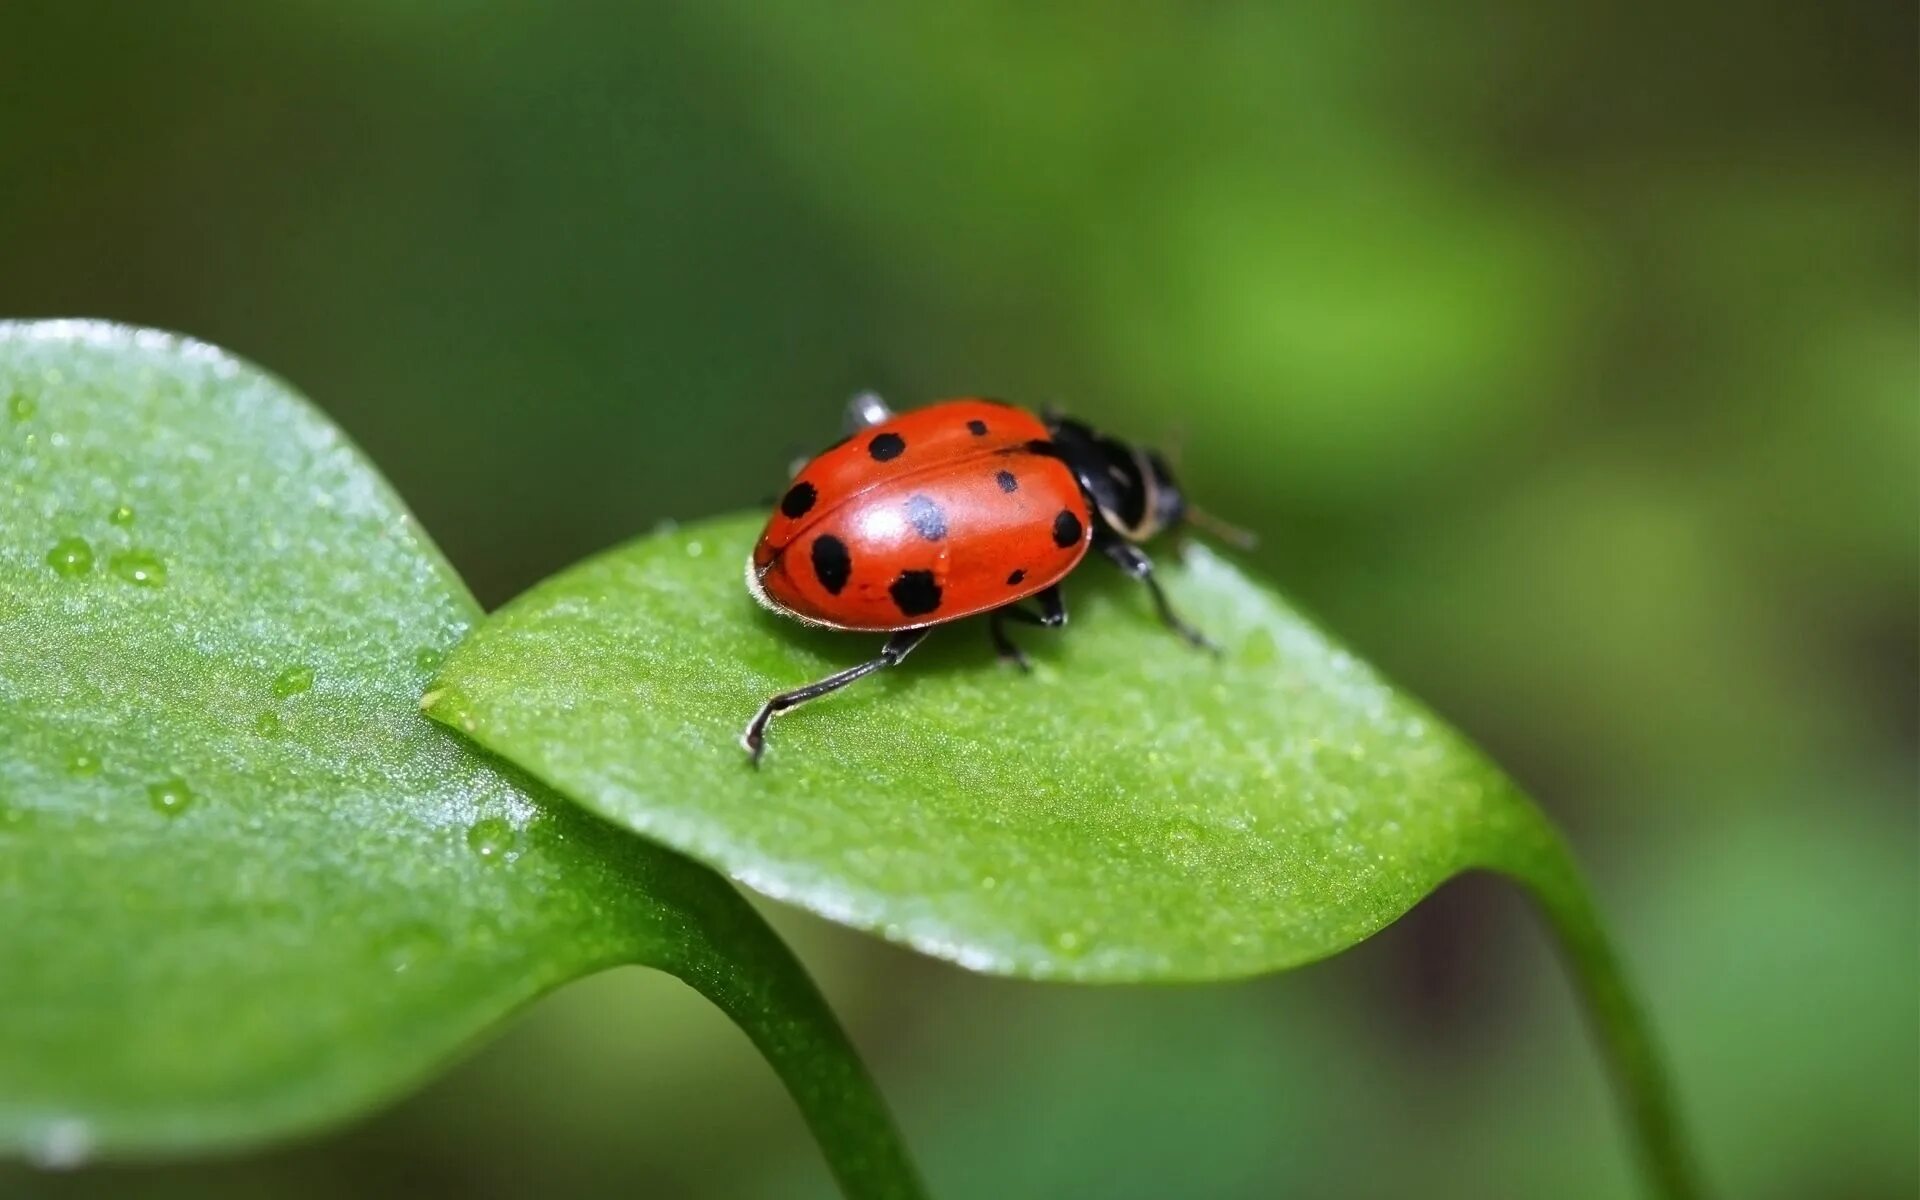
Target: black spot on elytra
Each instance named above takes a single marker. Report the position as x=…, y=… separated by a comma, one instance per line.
x=1066, y=529
x=1016, y=579
x=886, y=447
x=1006, y=481
x=915, y=593
x=799, y=500
x=927, y=518
x=977, y=428
x=832, y=565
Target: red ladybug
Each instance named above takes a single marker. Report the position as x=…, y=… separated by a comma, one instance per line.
x=964, y=507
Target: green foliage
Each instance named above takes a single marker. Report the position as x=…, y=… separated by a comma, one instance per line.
x=1512, y=368
x=248, y=889
x=1135, y=811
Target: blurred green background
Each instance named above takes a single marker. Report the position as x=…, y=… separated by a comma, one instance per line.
x=1565, y=355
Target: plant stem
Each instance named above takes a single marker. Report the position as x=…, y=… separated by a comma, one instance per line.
x=793, y=1027
x=1547, y=870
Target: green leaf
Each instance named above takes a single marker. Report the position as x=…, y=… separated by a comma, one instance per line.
x=1132, y=811
x=249, y=890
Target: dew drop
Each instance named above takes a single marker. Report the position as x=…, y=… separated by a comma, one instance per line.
x=427, y=658
x=81, y=765
x=122, y=515
x=71, y=557
x=696, y=549
x=492, y=838
x=293, y=681
x=139, y=567
x=20, y=406
x=170, y=797
x=267, y=724
x=1260, y=649
x=410, y=946
x=1067, y=941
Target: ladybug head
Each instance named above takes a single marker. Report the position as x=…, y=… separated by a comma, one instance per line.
x=1132, y=487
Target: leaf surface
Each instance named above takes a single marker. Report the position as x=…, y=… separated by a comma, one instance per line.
x=249, y=889
x=1132, y=810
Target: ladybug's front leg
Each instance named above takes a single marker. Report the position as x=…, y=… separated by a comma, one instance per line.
x=1053, y=614
x=898, y=647
x=1131, y=559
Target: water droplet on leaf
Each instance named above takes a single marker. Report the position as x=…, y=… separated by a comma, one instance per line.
x=1260, y=649
x=139, y=567
x=81, y=764
x=293, y=681
x=20, y=406
x=71, y=557
x=121, y=515
x=170, y=797
x=492, y=838
x=410, y=946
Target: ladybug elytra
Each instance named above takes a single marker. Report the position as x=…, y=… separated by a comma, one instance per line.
x=962, y=508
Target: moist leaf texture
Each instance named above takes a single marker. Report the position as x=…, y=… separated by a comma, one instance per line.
x=249, y=889
x=1132, y=810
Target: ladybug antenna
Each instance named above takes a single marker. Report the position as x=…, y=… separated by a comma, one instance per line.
x=1232, y=535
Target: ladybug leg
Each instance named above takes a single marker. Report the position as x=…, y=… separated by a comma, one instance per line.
x=1052, y=615
x=1002, y=644
x=1129, y=558
x=898, y=647
x=1053, y=609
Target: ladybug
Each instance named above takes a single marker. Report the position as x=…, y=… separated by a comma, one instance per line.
x=965, y=507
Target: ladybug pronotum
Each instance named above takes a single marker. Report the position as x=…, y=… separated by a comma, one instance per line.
x=961, y=508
